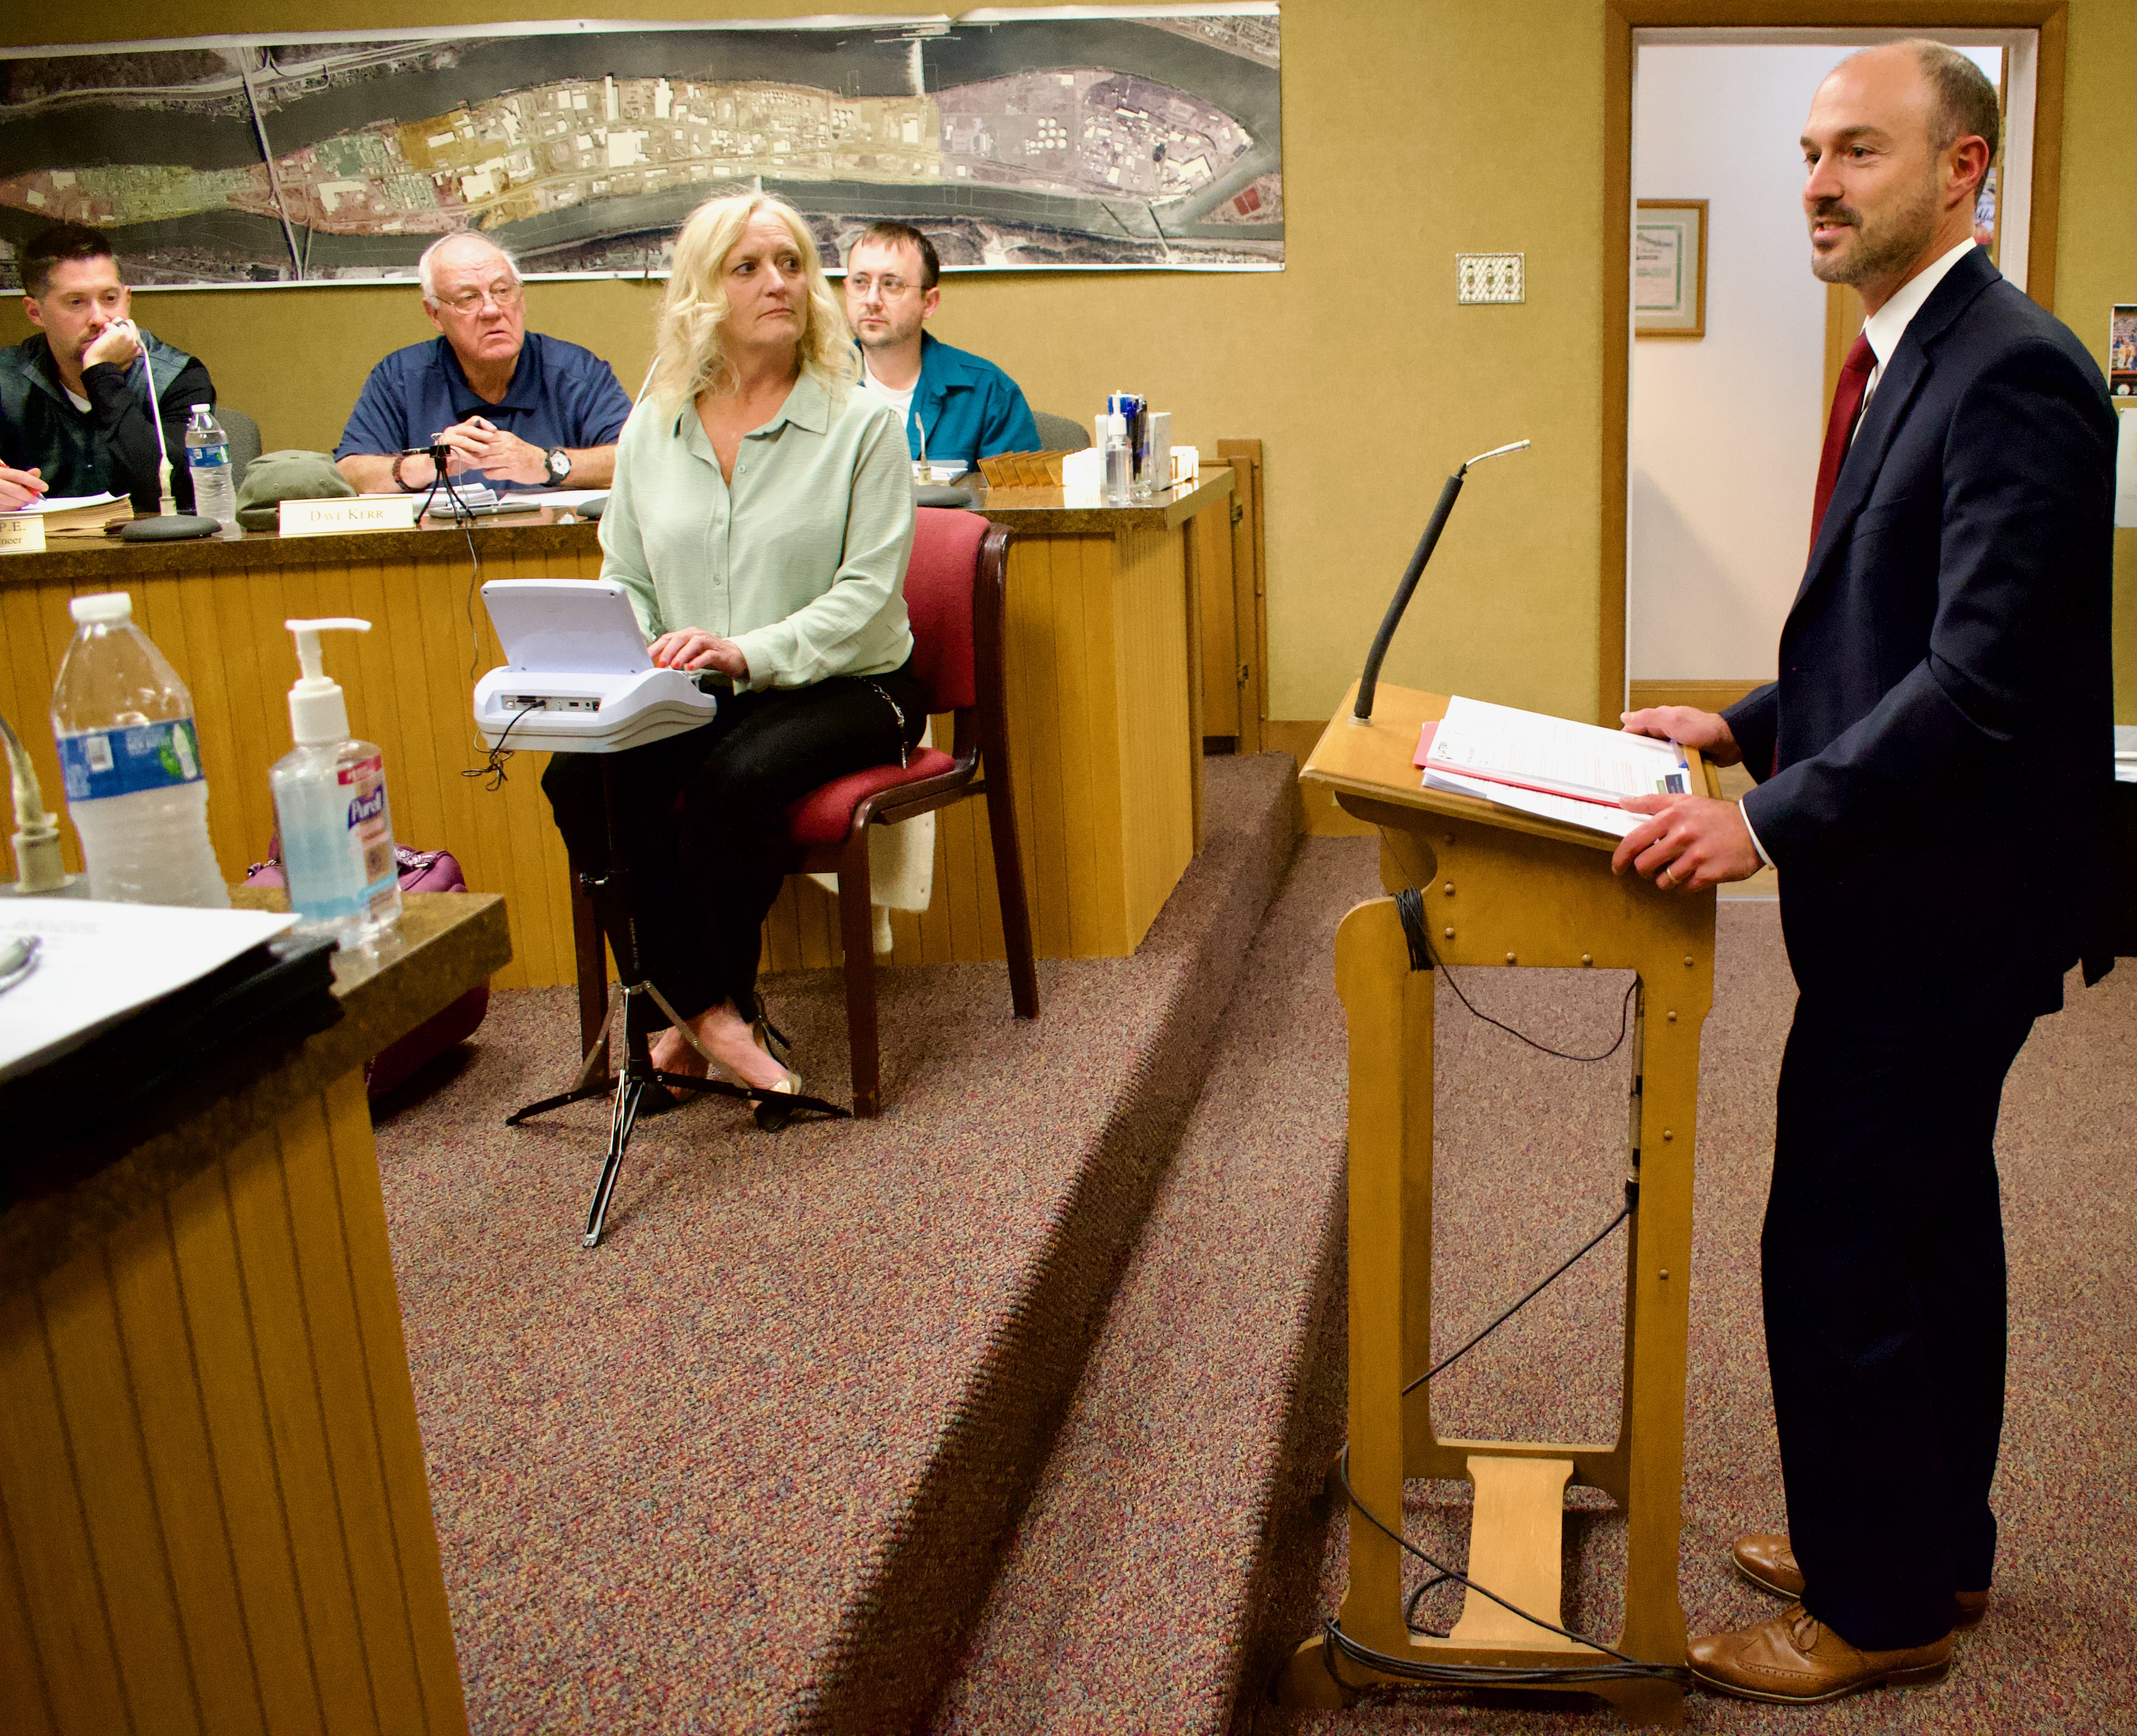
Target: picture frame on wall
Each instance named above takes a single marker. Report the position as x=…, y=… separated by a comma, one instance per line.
x=1669, y=268
x=2122, y=349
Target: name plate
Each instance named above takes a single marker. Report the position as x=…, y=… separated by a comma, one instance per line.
x=337, y=518
x=22, y=534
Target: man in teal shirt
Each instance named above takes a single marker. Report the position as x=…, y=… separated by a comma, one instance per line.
x=958, y=408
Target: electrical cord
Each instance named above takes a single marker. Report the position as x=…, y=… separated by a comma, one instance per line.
x=1625, y=1668
x=441, y=457
x=1409, y=906
x=1631, y=1199
x=492, y=768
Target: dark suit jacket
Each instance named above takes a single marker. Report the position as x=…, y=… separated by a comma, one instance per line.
x=1935, y=756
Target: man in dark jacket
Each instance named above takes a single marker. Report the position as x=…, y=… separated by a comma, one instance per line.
x=74, y=407
x=1945, y=665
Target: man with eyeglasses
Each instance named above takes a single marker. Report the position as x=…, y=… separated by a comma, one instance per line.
x=518, y=410
x=958, y=408
x=75, y=415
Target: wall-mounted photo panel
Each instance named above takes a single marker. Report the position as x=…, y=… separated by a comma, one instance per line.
x=1669, y=269
x=1126, y=138
x=2122, y=350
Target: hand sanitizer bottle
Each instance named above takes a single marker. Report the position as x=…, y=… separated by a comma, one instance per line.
x=330, y=801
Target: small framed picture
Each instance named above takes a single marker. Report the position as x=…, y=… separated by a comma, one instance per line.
x=2122, y=350
x=1669, y=269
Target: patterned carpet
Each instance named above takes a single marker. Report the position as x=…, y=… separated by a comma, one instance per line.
x=777, y=1457
x=743, y=1467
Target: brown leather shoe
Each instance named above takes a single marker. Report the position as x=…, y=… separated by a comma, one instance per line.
x=1766, y=1559
x=1796, y=1659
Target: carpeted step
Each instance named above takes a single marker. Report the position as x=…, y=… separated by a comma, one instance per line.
x=748, y=1466
x=1163, y=1559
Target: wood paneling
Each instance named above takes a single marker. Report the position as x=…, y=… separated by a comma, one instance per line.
x=213, y=1509
x=1100, y=722
x=407, y=682
x=1105, y=753
x=1708, y=696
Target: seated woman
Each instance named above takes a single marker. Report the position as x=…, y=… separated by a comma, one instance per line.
x=761, y=520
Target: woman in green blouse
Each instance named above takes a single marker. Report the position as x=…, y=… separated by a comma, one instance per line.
x=761, y=519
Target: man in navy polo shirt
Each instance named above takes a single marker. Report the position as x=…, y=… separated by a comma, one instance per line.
x=961, y=406
x=518, y=410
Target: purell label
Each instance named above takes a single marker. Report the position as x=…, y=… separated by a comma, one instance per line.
x=370, y=826
x=100, y=762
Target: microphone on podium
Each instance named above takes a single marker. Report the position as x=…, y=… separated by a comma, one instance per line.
x=1370, y=679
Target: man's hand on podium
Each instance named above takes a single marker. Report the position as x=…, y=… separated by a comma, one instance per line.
x=1688, y=726
x=1688, y=842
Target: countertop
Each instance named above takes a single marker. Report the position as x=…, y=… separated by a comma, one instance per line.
x=1033, y=511
x=545, y=531
x=448, y=942
x=1044, y=510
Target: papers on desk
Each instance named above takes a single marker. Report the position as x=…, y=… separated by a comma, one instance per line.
x=97, y=962
x=51, y=503
x=1545, y=765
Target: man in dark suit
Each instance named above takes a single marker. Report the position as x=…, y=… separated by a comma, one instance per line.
x=1944, y=671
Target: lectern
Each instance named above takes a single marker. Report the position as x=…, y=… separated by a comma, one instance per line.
x=1501, y=889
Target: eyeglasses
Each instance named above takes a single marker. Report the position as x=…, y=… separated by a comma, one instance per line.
x=468, y=301
x=860, y=283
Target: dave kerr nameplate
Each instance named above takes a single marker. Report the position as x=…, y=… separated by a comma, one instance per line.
x=335, y=518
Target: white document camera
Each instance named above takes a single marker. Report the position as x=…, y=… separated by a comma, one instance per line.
x=578, y=679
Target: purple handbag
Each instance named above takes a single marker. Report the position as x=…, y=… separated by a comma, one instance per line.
x=422, y=871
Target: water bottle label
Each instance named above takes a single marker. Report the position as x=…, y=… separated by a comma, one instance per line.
x=208, y=458
x=101, y=762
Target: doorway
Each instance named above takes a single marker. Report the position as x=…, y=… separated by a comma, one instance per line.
x=1701, y=550
x=1725, y=429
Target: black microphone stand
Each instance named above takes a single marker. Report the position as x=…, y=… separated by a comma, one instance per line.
x=1370, y=679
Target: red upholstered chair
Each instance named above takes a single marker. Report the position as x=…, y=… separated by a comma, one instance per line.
x=954, y=591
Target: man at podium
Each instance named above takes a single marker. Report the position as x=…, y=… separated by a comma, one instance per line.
x=1944, y=669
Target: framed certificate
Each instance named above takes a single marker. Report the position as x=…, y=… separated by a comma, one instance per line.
x=1669, y=268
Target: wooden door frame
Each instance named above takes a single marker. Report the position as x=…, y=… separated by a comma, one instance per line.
x=1620, y=19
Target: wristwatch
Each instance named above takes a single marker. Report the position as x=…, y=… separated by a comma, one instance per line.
x=558, y=462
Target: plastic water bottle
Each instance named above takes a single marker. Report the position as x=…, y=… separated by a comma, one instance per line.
x=207, y=456
x=131, y=760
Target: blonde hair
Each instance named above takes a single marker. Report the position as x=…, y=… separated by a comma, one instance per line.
x=688, y=356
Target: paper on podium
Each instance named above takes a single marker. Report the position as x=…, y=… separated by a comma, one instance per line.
x=1572, y=811
x=1502, y=745
x=98, y=962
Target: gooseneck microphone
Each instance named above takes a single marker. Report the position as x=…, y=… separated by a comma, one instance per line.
x=1370, y=679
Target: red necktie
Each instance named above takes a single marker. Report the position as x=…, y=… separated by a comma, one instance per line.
x=1846, y=405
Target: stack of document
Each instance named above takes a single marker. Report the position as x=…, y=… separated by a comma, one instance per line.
x=1548, y=767
x=75, y=515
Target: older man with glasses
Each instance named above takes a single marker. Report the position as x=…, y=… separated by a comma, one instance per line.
x=958, y=408
x=517, y=410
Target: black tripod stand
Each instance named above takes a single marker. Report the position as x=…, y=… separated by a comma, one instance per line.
x=640, y=1087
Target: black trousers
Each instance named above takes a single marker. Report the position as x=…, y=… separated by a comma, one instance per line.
x=702, y=822
x=1884, y=1287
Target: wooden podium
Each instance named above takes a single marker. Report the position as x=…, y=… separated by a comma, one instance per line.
x=1503, y=888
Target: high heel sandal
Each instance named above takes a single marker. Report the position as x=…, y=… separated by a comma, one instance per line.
x=773, y=1116
x=774, y=1106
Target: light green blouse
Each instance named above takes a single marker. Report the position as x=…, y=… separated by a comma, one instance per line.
x=800, y=561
